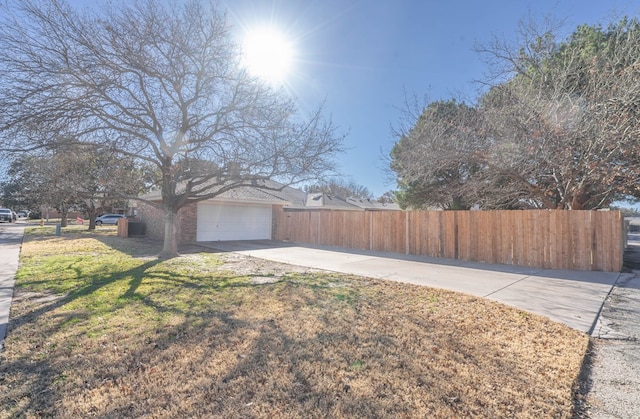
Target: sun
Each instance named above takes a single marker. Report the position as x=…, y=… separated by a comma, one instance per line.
x=268, y=54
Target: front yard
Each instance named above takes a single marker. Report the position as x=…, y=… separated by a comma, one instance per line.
x=101, y=327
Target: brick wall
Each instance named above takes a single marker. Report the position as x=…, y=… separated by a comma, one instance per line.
x=154, y=219
x=187, y=223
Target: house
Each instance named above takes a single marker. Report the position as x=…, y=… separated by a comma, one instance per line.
x=324, y=201
x=372, y=205
x=243, y=213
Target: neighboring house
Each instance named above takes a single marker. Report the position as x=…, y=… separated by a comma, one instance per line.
x=324, y=201
x=371, y=205
x=243, y=213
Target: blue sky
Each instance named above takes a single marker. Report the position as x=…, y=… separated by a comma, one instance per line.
x=362, y=55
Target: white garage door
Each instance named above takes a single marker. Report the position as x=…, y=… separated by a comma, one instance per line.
x=233, y=222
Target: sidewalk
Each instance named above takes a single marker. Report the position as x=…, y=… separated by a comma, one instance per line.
x=614, y=377
x=10, y=243
x=574, y=298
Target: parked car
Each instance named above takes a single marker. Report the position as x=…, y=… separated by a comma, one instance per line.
x=23, y=214
x=109, y=219
x=6, y=215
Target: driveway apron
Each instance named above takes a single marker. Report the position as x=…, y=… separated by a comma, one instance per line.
x=10, y=243
x=574, y=298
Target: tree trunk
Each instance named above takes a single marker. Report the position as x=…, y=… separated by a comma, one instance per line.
x=63, y=215
x=170, y=246
x=92, y=213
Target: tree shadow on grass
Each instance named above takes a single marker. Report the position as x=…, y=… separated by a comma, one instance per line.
x=165, y=284
x=249, y=360
x=146, y=247
x=43, y=388
x=137, y=274
x=39, y=375
x=137, y=248
x=231, y=366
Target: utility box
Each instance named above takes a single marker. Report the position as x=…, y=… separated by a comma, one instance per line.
x=136, y=228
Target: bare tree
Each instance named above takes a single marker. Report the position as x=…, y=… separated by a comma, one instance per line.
x=387, y=197
x=159, y=84
x=23, y=188
x=435, y=160
x=557, y=126
x=73, y=177
x=557, y=129
x=341, y=188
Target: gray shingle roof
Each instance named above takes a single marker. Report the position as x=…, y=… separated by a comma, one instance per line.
x=373, y=205
x=327, y=201
x=249, y=193
x=272, y=192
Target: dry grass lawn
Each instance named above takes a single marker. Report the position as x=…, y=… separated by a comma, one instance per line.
x=101, y=327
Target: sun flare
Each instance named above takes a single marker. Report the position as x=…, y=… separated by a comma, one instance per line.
x=268, y=54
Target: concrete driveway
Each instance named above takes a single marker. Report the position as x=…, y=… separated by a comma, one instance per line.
x=10, y=243
x=574, y=298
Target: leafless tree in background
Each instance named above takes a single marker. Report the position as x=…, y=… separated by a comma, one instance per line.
x=160, y=84
x=71, y=177
x=436, y=158
x=341, y=188
x=558, y=128
x=557, y=124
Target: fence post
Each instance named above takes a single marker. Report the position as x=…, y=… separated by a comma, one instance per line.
x=123, y=227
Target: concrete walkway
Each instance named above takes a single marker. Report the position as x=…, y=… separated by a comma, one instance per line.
x=574, y=298
x=10, y=243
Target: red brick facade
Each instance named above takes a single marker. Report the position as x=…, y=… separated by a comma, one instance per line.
x=153, y=218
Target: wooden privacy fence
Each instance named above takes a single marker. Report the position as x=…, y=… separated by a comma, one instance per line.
x=555, y=239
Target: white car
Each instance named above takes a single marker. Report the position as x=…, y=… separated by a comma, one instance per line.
x=108, y=219
x=6, y=215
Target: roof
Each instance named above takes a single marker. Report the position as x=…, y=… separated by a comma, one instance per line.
x=272, y=192
x=264, y=191
x=372, y=205
x=327, y=201
x=295, y=197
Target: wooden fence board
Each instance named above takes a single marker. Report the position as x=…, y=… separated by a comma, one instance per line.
x=504, y=249
x=553, y=239
x=419, y=238
x=566, y=257
x=584, y=240
x=484, y=242
x=448, y=234
x=464, y=237
x=544, y=222
x=479, y=226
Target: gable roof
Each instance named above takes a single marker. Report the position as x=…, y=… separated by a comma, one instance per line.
x=264, y=191
x=273, y=192
x=372, y=205
x=250, y=194
x=327, y=201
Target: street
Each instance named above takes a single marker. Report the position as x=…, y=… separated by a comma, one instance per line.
x=10, y=243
